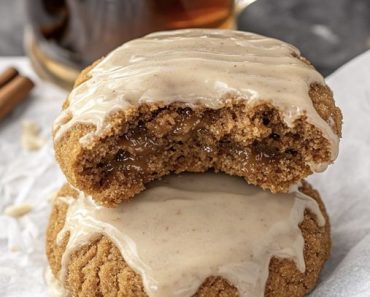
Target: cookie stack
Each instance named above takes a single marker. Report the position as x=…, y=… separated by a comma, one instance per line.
x=185, y=153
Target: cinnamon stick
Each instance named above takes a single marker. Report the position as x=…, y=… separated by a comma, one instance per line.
x=13, y=91
x=7, y=76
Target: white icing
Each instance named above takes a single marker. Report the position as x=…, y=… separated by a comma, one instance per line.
x=196, y=66
x=55, y=288
x=186, y=228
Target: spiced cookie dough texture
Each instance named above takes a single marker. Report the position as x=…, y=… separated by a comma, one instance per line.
x=191, y=100
x=209, y=235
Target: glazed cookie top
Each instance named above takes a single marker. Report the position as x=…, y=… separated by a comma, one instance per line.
x=186, y=228
x=197, y=66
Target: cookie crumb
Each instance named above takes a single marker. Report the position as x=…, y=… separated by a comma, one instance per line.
x=31, y=139
x=18, y=210
x=14, y=249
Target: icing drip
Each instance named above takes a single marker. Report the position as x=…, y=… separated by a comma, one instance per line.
x=186, y=228
x=55, y=288
x=197, y=66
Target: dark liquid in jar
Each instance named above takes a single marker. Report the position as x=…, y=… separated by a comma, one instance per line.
x=76, y=32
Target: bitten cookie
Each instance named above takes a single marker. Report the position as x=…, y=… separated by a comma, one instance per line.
x=181, y=235
x=191, y=100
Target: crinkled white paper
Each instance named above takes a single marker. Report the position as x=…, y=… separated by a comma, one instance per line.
x=33, y=176
x=26, y=177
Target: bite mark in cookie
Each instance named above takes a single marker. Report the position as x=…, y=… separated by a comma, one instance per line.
x=191, y=100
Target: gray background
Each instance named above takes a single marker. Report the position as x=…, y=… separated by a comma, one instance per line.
x=329, y=32
x=12, y=21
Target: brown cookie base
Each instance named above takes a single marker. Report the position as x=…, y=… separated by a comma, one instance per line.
x=154, y=140
x=98, y=269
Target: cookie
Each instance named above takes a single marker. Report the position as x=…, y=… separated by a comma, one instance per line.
x=191, y=100
x=190, y=235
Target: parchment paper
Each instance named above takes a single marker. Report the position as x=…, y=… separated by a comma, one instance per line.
x=33, y=176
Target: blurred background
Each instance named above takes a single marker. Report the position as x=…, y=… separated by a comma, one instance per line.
x=73, y=33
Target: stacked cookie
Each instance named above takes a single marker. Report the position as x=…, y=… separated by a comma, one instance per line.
x=185, y=153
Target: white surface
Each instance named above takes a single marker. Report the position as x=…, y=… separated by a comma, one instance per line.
x=345, y=186
x=33, y=176
x=26, y=177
